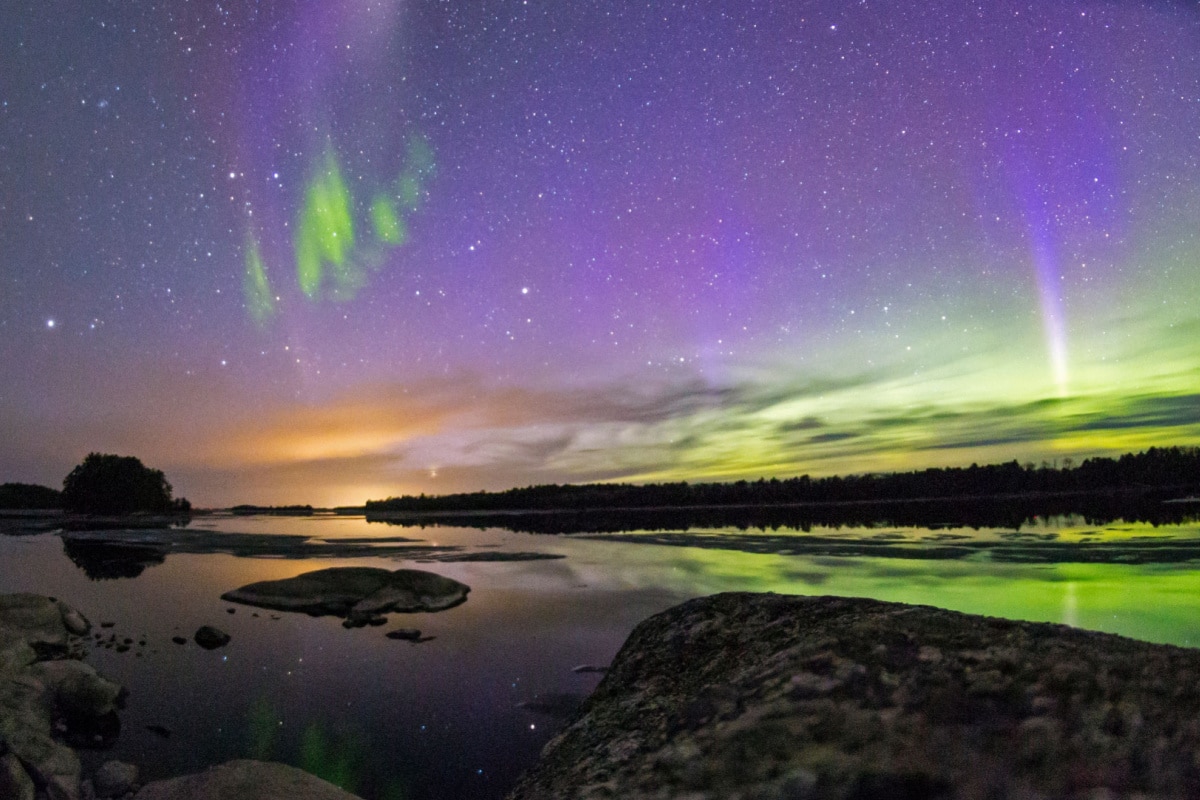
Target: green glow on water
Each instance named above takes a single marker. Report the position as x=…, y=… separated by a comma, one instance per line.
x=1152, y=602
x=262, y=723
x=339, y=762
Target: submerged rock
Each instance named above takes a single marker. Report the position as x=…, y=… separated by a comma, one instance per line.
x=766, y=696
x=406, y=634
x=114, y=779
x=245, y=780
x=354, y=592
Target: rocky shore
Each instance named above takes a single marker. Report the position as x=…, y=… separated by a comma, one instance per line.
x=770, y=697
x=49, y=697
x=740, y=696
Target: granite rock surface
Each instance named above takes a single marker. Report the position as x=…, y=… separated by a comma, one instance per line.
x=769, y=697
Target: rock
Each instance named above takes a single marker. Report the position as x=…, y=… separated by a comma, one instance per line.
x=75, y=623
x=244, y=780
x=553, y=704
x=179, y=640
x=211, y=638
x=76, y=689
x=583, y=669
x=45, y=694
x=15, y=782
x=766, y=696
x=34, y=627
x=407, y=634
x=361, y=592
x=114, y=779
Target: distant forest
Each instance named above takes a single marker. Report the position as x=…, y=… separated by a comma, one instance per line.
x=29, y=496
x=1169, y=471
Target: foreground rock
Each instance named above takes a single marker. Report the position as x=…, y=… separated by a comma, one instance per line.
x=245, y=780
x=43, y=689
x=773, y=697
x=211, y=638
x=355, y=592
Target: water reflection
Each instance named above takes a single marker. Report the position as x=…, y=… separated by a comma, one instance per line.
x=102, y=560
x=1013, y=513
x=461, y=715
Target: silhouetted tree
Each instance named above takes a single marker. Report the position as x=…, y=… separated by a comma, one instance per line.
x=108, y=484
x=29, y=496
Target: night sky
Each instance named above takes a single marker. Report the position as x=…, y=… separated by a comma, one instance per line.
x=329, y=251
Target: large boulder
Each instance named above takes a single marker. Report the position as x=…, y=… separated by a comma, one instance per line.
x=347, y=591
x=767, y=696
x=33, y=627
x=15, y=783
x=75, y=689
x=245, y=780
x=40, y=687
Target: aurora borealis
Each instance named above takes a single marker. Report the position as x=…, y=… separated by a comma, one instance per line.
x=317, y=252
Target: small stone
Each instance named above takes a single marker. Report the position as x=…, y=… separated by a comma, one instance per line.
x=75, y=622
x=407, y=634
x=211, y=638
x=178, y=640
x=114, y=779
x=231, y=611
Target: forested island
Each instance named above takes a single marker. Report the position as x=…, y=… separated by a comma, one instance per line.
x=1160, y=473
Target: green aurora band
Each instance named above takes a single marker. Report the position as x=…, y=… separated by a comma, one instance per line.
x=260, y=301
x=331, y=259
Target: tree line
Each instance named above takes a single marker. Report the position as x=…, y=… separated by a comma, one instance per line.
x=101, y=484
x=1174, y=470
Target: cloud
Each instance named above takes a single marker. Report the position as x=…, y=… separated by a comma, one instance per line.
x=463, y=433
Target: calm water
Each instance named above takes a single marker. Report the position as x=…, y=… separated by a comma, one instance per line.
x=442, y=719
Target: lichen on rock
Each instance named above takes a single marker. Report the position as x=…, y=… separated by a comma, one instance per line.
x=766, y=696
x=41, y=685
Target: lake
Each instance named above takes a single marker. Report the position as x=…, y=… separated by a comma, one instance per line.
x=462, y=714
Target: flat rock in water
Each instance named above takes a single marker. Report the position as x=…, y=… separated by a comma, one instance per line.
x=766, y=696
x=245, y=780
x=361, y=591
x=407, y=634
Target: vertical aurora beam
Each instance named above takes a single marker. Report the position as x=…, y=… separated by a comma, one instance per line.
x=256, y=288
x=1049, y=285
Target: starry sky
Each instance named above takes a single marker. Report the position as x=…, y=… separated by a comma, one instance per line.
x=329, y=251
